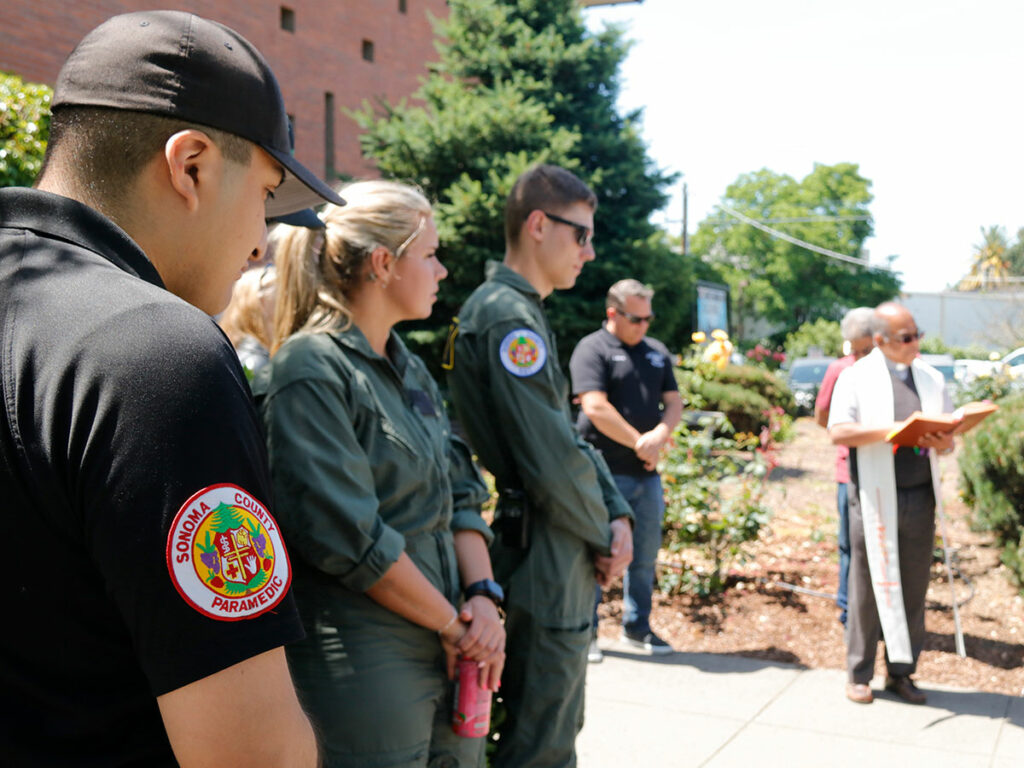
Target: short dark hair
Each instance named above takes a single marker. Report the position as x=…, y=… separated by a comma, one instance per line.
x=543, y=188
x=110, y=146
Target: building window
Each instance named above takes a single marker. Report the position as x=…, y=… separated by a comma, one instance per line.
x=287, y=19
x=329, y=172
x=368, y=50
x=403, y=7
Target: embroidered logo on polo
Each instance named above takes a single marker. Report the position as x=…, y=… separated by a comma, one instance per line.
x=226, y=556
x=523, y=352
x=655, y=359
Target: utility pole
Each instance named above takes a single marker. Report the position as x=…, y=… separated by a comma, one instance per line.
x=684, y=218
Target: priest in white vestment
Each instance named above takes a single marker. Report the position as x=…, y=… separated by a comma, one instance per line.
x=892, y=500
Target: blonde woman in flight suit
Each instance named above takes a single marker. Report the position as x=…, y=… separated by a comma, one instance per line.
x=379, y=502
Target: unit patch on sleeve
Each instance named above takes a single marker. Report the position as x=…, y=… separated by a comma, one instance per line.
x=523, y=352
x=226, y=556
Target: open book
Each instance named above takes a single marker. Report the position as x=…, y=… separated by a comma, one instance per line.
x=960, y=420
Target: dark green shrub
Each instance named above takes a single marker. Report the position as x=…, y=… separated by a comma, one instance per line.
x=755, y=378
x=992, y=479
x=744, y=393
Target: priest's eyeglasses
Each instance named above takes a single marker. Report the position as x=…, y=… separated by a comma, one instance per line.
x=906, y=338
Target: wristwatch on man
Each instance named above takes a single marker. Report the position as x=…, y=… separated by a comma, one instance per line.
x=487, y=588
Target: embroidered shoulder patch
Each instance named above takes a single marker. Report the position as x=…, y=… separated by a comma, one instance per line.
x=523, y=352
x=226, y=556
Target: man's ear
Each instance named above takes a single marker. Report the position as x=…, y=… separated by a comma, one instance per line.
x=534, y=225
x=192, y=159
x=609, y=312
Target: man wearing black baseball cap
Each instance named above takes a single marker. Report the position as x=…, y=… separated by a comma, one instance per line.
x=146, y=590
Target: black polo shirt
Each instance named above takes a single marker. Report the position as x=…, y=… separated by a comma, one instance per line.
x=121, y=406
x=634, y=379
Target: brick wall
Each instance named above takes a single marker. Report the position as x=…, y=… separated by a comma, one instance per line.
x=323, y=55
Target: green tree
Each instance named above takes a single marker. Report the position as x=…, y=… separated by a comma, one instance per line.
x=24, y=129
x=820, y=334
x=520, y=82
x=781, y=282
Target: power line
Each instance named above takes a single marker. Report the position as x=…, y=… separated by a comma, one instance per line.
x=793, y=220
x=801, y=243
x=812, y=219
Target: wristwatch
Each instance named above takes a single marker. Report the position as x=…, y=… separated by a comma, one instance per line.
x=487, y=588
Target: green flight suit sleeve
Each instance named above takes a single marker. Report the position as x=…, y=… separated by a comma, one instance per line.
x=326, y=501
x=556, y=468
x=617, y=506
x=469, y=492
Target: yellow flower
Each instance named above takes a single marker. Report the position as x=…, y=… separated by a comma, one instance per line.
x=698, y=337
x=719, y=334
x=718, y=352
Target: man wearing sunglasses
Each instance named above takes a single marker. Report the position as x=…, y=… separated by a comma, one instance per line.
x=893, y=493
x=629, y=407
x=857, y=342
x=560, y=520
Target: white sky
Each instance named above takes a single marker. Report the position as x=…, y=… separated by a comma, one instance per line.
x=925, y=96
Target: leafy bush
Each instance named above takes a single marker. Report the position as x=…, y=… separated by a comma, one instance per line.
x=24, y=129
x=988, y=386
x=823, y=334
x=714, y=502
x=933, y=345
x=769, y=385
x=763, y=355
x=744, y=393
x=992, y=479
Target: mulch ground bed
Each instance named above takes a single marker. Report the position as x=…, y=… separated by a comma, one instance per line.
x=759, y=617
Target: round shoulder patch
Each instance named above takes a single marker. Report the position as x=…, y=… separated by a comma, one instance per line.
x=523, y=352
x=226, y=556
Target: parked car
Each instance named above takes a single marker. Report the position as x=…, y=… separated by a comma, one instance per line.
x=804, y=379
x=968, y=370
x=946, y=365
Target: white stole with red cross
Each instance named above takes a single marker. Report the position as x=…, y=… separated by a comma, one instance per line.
x=877, y=483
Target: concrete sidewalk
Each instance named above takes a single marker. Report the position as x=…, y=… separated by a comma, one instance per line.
x=692, y=709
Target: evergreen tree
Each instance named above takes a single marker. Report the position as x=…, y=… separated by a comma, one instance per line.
x=521, y=82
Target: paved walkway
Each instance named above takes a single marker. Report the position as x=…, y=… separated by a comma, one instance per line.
x=693, y=709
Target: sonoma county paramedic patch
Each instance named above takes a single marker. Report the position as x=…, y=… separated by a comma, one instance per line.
x=225, y=554
x=523, y=352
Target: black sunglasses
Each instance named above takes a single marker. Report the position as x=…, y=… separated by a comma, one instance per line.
x=906, y=338
x=635, y=319
x=583, y=234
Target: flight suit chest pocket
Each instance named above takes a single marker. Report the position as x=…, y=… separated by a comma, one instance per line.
x=395, y=436
x=379, y=429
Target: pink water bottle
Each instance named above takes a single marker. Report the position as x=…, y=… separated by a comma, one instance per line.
x=471, y=716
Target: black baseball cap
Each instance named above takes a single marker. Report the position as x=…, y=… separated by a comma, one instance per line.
x=180, y=65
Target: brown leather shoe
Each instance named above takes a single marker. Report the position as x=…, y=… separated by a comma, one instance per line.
x=904, y=688
x=860, y=693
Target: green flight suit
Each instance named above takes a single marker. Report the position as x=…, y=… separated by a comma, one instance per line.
x=364, y=466
x=512, y=399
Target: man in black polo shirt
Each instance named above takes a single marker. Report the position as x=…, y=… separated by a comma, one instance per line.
x=629, y=406
x=146, y=594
